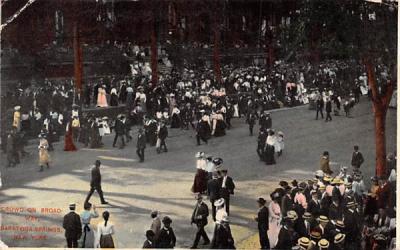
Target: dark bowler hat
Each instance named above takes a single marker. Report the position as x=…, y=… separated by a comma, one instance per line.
x=261, y=200
x=166, y=220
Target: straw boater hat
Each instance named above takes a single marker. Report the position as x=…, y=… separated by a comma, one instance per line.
x=339, y=223
x=303, y=242
x=339, y=238
x=350, y=204
x=323, y=243
x=322, y=187
x=307, y=215
x=327, y=179
x=292, y=215
x=315, y=235
x=323, y=218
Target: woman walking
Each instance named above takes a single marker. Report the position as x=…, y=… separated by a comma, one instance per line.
x=44, y=157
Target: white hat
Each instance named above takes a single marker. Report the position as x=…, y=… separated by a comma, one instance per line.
x=17, y=108
x=219, y=202
x=319, y=173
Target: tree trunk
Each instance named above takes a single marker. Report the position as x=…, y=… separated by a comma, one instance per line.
x=77, y=59
x=380, y=106
x=380, y=141
x=154, y=55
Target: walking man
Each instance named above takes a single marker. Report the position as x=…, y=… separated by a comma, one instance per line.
x=328, y=109
x=73, y=227
x=357, y=159
x=213, y=189
x=251, y=120
x=199, y=217
x=320, y=107
x=141, y=145
x=119, y=131
x=263, y=223
x=227, y=187
x=95, y=183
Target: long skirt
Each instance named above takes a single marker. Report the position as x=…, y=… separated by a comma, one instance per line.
x=69, y=142
x=270, y=155
x=175, y=121
x=88, y=238
x=44, y=157
x=106, y=241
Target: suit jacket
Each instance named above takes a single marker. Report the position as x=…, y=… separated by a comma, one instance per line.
x=213, y=189
x=148, y=244
x=119, y=127
x=200, y=210
x=335, y=212
x=285, y=240
x=229, y=187
x=141, y=142
x=72, y=225
x=328, y=107
x=96, y=177
x=262, y=218
x=357, y=159
x=314, y=208
x=287, y=204
x=167, y=238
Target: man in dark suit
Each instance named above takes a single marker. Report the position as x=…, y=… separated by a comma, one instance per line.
x=213, y=190
x=352, y=228
x=263, y=223
x=328, y=109
x=227, y=187
x=314, y=206
x=285, y=236
x=95, y=183
x=119, y=131
x=320, y=107
x=287, y=202
x=149, y=243
x=357, y=158
x=262, y=138
x=141, y=145
x=199, y=217
x=73, y=227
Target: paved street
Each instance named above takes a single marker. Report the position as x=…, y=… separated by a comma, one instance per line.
x=163, y=181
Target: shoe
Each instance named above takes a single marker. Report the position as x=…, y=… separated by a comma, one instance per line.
x=104, y=203
x=206, y=242
x=193, y=247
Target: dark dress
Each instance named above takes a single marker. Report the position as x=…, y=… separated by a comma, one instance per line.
x=114, y=100
x=200, y=181
x=175, y=121
x=270, y=155
x=222, y=237
x=166, y=239
x=106, y=241
x=68, y=141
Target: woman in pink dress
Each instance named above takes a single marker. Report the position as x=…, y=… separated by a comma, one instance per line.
x=101, y=97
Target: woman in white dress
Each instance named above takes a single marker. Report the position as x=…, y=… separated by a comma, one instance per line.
x=101, y=97
x=274, y=219
x=87, y=240
x=44, y=157
x=105, y=230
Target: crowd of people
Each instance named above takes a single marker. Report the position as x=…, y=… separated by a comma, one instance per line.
x=329, y=211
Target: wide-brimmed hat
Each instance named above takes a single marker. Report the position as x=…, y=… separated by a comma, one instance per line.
x=323, y=243
x=323, y=218
x=315, y=235
x=261, y=201
x=304, y=242
x=339, y=223
x=219, y=202
x=217, y=161
x=292, y=215
x=339, y=238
